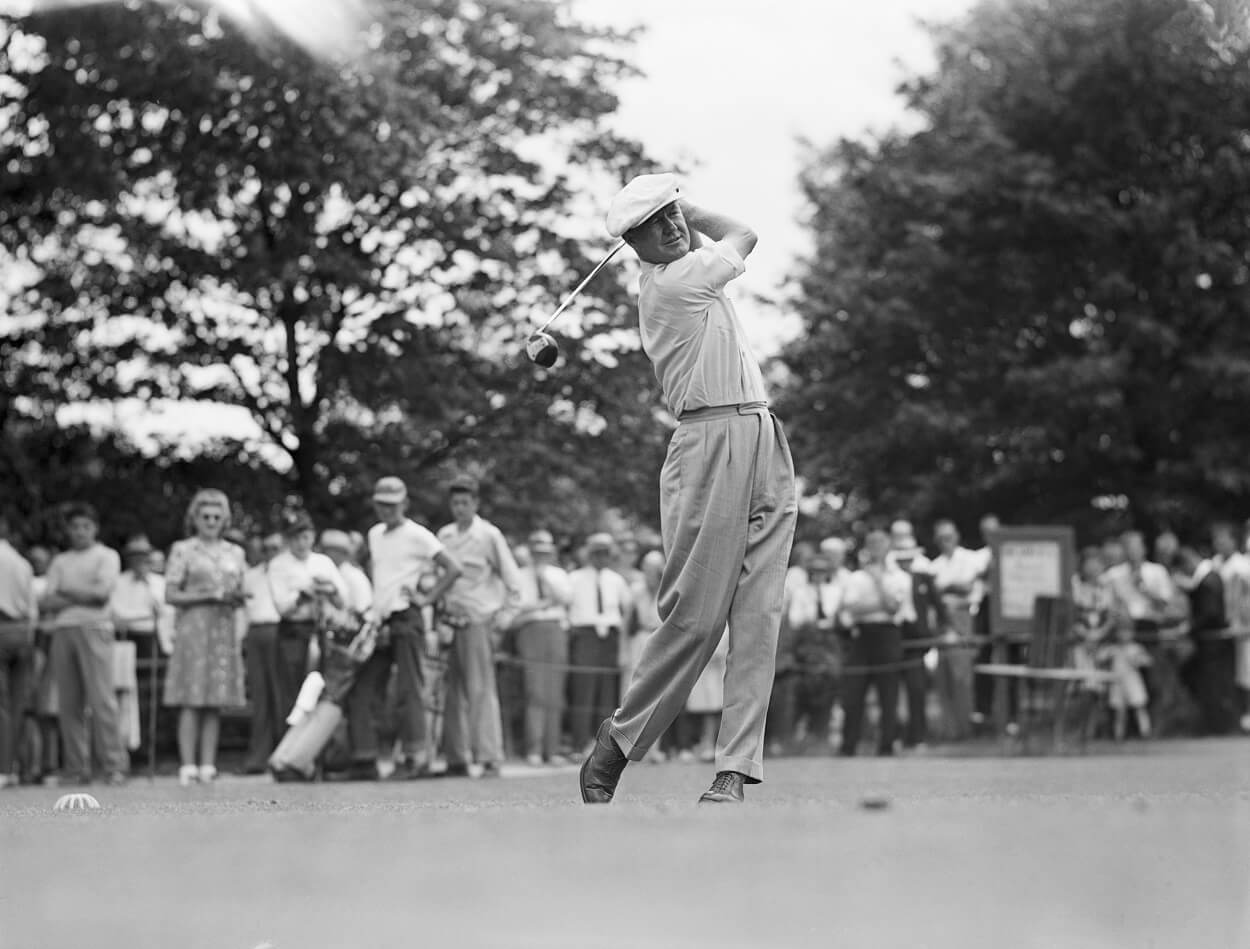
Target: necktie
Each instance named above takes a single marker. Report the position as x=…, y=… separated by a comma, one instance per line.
x=538, y=582
x=599, y=591
x=820, y=602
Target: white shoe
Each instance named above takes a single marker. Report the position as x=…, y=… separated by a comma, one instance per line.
x=1245, y=722
x=534, y=761
x=685, y=756
x=188, y=774
x=208, y=774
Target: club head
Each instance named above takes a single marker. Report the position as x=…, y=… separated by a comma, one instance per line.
x=543, y=350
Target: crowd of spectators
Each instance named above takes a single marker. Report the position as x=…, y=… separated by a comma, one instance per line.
x=546, y=635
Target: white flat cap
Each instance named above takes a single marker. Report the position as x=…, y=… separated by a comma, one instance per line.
x=640, y=199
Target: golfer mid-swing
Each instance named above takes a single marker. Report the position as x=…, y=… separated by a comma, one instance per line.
x=726, y=492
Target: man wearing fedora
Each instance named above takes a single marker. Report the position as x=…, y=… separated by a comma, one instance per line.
x=600, y=606
x=542, y=645
x=728, y=501
x=139, y=616
x=401, y=553
x=300, y=579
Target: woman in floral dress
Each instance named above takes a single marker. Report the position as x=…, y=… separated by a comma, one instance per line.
x=204, y=581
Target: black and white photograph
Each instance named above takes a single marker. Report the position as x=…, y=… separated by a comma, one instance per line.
x=549, y=474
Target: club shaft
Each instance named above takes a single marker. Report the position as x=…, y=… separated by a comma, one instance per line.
x=582, y=286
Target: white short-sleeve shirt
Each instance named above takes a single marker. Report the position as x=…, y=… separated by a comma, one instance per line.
x=399, y=558
x=692, y=334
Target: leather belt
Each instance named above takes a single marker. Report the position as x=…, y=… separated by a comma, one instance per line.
x=712, y=412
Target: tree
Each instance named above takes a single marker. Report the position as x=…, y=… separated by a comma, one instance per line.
x=349, y=250
x=1037, y=303
x=133, y=491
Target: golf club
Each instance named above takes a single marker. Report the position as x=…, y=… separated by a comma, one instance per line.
x=542, y=347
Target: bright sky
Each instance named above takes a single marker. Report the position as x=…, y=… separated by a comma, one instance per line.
x=732, y=85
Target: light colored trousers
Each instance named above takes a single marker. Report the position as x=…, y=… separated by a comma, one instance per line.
x=472, y=725
x=728, y=510
x=82, y=662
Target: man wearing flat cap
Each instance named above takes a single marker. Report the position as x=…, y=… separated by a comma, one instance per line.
x=727, y=493
x=401, y=553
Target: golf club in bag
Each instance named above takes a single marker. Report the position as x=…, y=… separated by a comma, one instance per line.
x=347, y=642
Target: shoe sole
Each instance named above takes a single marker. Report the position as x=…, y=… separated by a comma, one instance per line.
x=581, y=780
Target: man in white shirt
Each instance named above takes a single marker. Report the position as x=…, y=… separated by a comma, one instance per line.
x=727, y=490
x=401, y=554
x=874, y=606
x=139, y=597
x=337, y=545
x=142, y=619
x=486, y=594
x=1144, y=591
x=1234, y=568
x=80, y=582
x=542, y=644
x=957, y=581
x=1139, y=588
x=814, y=613
x=268, y=685
x=923, y=615
x=1014, y=653
x=300, y=579
x=601, y=603
x=19, y=613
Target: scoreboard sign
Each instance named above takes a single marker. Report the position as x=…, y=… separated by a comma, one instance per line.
x=1028, y=562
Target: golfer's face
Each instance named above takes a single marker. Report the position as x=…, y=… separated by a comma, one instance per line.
x=663, y=237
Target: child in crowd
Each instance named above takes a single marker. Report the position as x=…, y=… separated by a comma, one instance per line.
x=1124, y=658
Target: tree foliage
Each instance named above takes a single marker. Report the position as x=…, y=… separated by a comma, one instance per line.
x=1037, y=303
x=350, y=251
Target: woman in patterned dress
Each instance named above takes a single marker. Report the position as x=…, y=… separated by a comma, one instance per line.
x=204, y=581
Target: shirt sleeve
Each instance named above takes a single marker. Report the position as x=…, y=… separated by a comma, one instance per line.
x=27, y=602
x=110, y=571
x=626, y=596
x=432, y=542
x=558, y=586
x=509, y=572
x=284, y=584
x=853, y=596
x=328, y=570
x=693, y=282
x=176, y=567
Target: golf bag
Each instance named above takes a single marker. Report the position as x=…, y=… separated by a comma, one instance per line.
x=346, y=644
